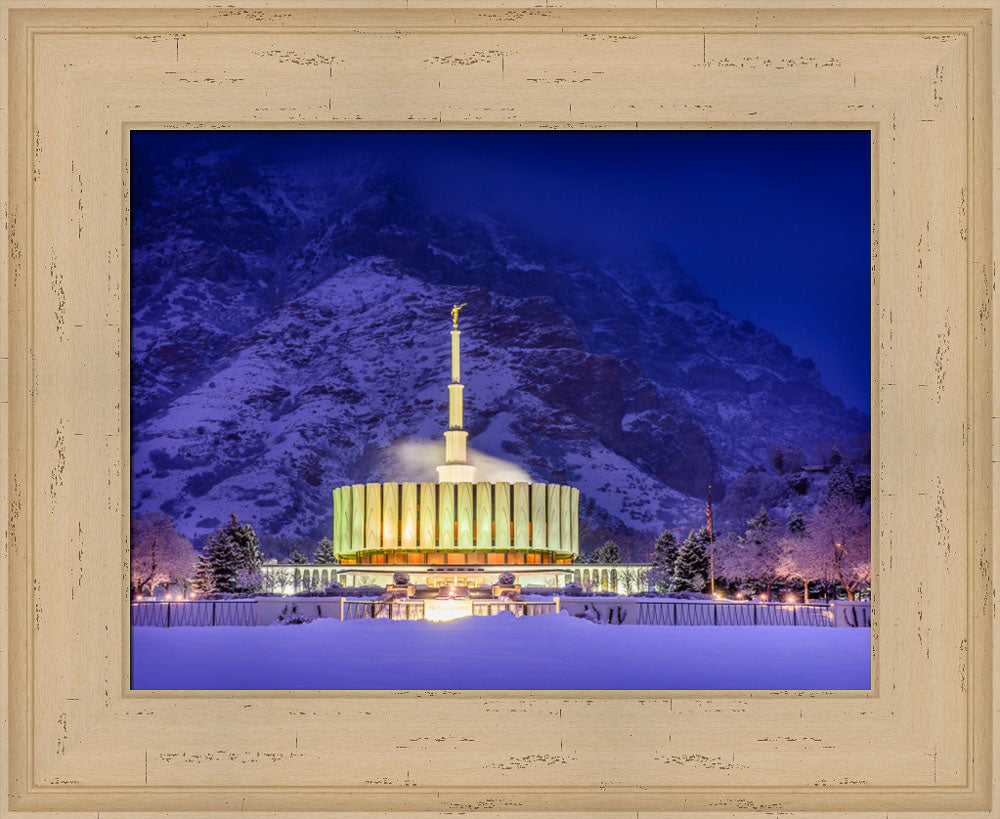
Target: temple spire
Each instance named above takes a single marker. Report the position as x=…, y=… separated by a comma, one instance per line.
x=455, y=469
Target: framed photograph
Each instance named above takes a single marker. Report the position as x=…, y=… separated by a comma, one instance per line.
x=500, y=409
x=522, y=402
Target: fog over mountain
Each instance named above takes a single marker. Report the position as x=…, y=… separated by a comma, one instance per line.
x=290, y=334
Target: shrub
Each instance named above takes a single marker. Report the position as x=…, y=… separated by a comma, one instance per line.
x=511, y=597
x=569, y=590
x=506, y=579
x=336, y=590
x=690, y=595
x=390, y=596
x=401, y=579
x=676, y=595
x=293, y=617
x=237, y=595
x=362, y=591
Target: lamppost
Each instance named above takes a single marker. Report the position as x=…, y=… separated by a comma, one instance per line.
x=711, y=543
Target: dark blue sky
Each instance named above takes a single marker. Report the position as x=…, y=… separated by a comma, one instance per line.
x=774, y=225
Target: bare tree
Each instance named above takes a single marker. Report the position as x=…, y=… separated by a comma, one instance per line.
x=805, y=558
x=159, y=554
x=843, y=529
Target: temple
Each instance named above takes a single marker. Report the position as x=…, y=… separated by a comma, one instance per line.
x=459, y=530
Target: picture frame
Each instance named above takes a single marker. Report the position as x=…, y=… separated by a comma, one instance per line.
x=922, y=80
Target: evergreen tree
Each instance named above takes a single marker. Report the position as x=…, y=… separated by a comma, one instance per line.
x=324, y=554
x=608, y=552
x=762, y=520
x=249, y=560
x=232, y=559
x=862, y=488
x=203, y=583
x=797, y=524
x=220, y=559
x=839, y=484
x=691, y=571
x=297, y=558
x=664, y=558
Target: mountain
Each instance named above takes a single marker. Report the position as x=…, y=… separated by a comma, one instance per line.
x=290, y=334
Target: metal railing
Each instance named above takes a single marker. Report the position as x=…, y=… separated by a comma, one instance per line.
x=610, y=611
x=858, y=616
x=709, y=613
x=519, y=608
x=383, y=610
x=194, y=613
x=414, y=609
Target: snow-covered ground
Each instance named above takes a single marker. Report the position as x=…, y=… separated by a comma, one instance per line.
x=500, y=652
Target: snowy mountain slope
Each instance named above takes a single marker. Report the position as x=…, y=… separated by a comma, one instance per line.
x=290, y=332
x=317, y=393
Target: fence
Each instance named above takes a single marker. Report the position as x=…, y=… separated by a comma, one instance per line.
x=377, y=610
x=719, y=613
x=260, y=612
x=195, y=613
x=853, y=614
x=483, y=608
x=414, y=609
x=691, y=613
x=620, y=611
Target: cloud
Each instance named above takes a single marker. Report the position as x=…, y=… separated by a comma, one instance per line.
x=418, y=461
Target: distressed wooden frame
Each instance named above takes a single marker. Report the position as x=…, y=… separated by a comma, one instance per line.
x=922, y=79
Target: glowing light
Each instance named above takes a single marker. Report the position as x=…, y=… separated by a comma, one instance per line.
x=790, y=598
x=442, y=610
x=763, y=598
x=739, y=595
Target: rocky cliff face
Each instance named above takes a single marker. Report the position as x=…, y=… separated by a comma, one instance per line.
x=290, y=333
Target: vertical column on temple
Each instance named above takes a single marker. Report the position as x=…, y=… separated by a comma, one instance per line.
x=357, y=517
x=428, y=515
x=522, y=515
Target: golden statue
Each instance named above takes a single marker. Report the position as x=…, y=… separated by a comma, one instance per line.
x=454, y=313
